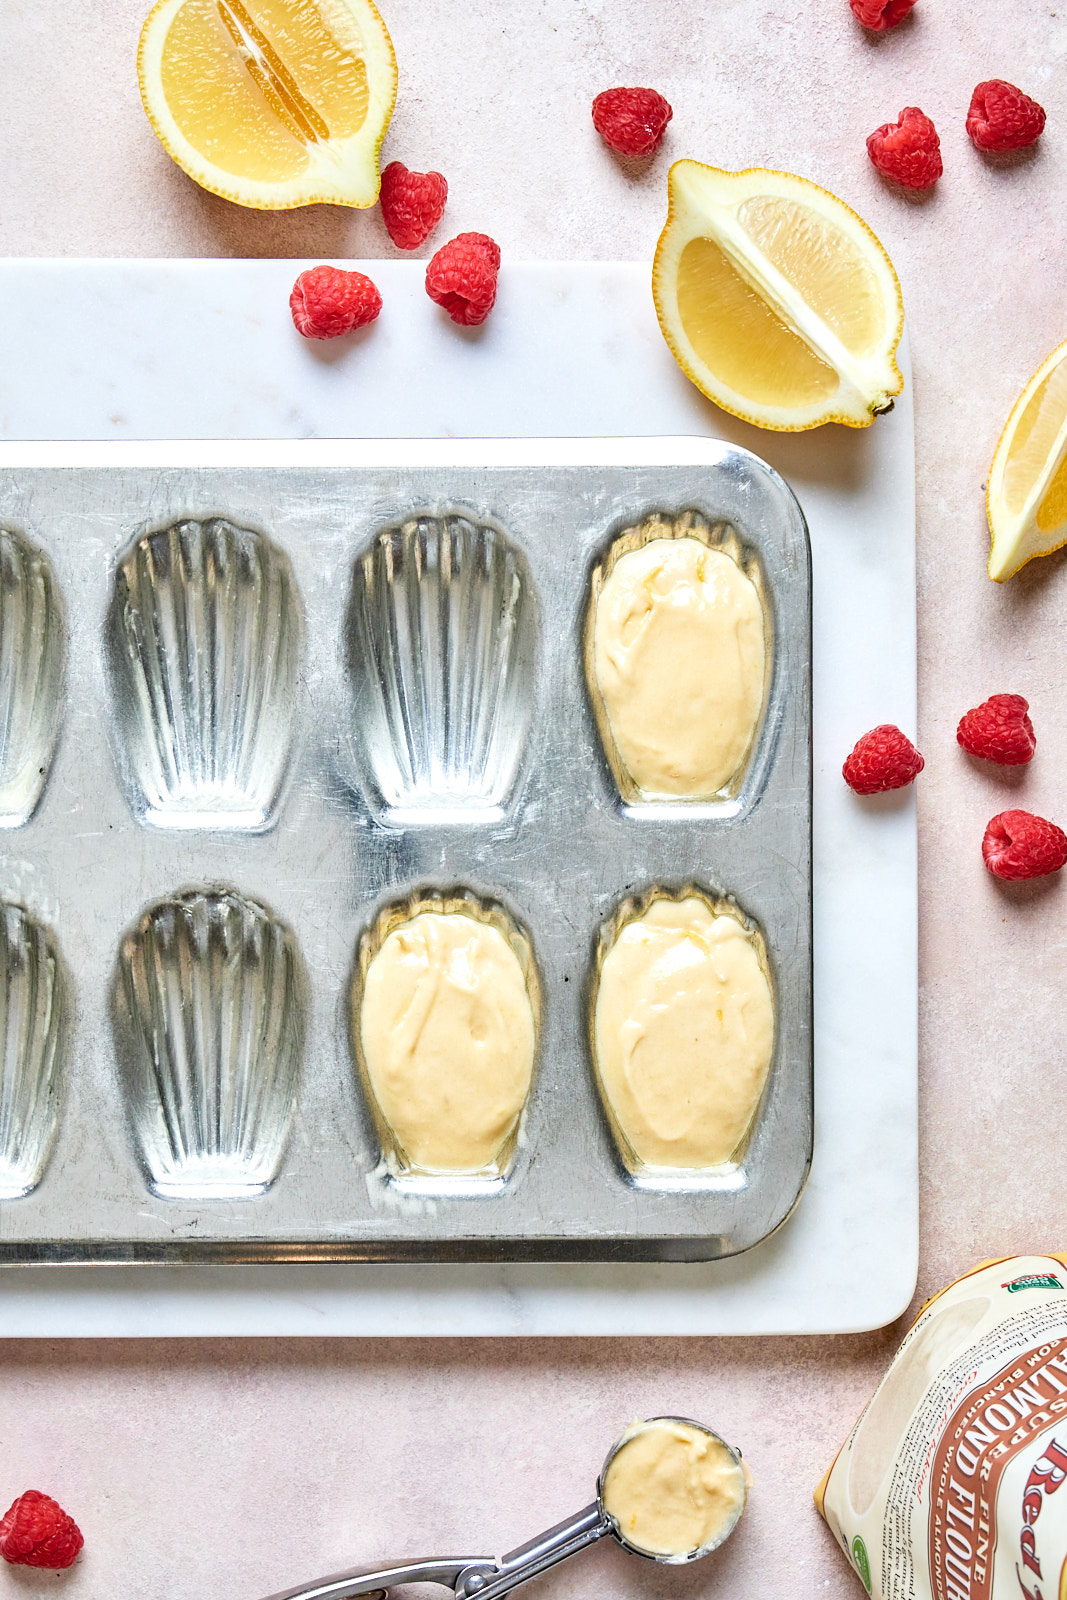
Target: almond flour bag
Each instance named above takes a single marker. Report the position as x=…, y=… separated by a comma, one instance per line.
x=953, y=1483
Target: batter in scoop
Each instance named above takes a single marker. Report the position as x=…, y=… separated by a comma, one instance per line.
x=447, y=1033
x=678, y=655
x=673, y=1488
x=683, y=1033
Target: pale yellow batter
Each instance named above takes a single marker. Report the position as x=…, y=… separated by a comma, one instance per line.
x=678, y=653
x=673, y=1489
x=684, y=1030
x=447, y=1032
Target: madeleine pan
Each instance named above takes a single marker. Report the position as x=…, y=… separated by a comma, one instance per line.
x=242, y=715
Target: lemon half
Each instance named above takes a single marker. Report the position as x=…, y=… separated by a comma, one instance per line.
x=271, y=103
x=1026, y=498
x=776, y=299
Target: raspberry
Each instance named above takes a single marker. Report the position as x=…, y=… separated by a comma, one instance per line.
x=882, y=759
x=412, y=204
x=907, y=151
x=631, y=121
x=36, y=1532
x=999, y=730
x=327, y=302
x=461, y=277
x=1001, y=117
x=1019, y=845
x=880, y=14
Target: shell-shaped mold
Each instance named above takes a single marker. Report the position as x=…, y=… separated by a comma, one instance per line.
x=455, y=1061
x=206, y=634
x=32, y=1027
x=682, y=1033
x=442, y=638
x=210, y=1027
x=679, y=716
x=31, y=675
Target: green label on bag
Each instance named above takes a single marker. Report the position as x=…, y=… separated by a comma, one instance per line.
x=1034, y=1281
x=863, y=1565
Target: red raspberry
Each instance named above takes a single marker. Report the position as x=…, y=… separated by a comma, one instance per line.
x=631, y=121
x=327, y=302
x=880, y=14
x=36, y=1532
x=412, y=204
x=882, y=759
x=999, y=730
x=1019, y=845
x=907, y=151
x=1001, y=117
x=461, y=277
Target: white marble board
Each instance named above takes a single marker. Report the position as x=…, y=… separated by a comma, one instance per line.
x=569, y=368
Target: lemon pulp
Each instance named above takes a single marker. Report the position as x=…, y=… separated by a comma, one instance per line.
x=251, y=87
x=272, y=103
x=1035, y=436
x=738, y=336
x=823, y=265
x=1052, y=512
x=1027, y=494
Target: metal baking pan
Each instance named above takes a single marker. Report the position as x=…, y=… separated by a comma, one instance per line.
x=235, y=736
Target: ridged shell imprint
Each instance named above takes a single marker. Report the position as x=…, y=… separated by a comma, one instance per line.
x=442, y=645
x=445, y=1017
x=206, y=643
x=676, y=658
x=31, y=675
x=210, y=1003
x=683, y=1032
x=32, y=1024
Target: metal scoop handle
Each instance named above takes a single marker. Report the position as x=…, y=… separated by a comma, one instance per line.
x=476, y=1578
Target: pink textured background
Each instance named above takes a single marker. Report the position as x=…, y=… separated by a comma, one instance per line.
x=223, y=1470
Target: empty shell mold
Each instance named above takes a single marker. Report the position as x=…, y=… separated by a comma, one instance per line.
x=206, y=633
x=442, y=640
x=335, y=694
x=31, y=675
x=32, y=1023
x=208, y=992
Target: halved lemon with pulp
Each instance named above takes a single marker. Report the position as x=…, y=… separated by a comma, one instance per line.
x=776, y=299
x=1026, y=498
x=271, y=103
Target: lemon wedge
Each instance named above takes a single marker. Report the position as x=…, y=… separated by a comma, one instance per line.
x=271, y=103
x=1026, y=499
x=776, y=299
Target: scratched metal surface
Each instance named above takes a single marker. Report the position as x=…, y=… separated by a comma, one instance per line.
x=558, y=849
